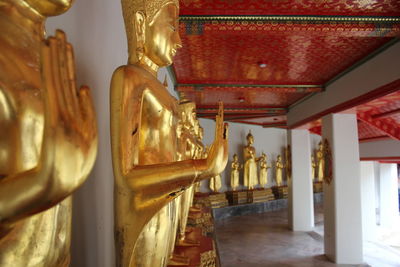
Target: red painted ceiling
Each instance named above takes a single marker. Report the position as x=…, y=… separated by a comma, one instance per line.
x=221, y=56
x=379, y=118
x=291, y=7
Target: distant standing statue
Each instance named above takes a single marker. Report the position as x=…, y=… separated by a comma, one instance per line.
x=235, y=167
x=264, y=170
x=250, y=165
x=320, y=162
x=278, y=168
x=313, y=167
x=215, y=183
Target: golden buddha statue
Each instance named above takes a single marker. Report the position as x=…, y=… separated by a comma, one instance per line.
x=199, y=152
x=313, y=167
x=235, y=168
x=215, y=183
x=144, y=118
x=279, y=169
x=320, y=162
x=264, y=170
x=189, y=141
x=250, y=165
x=48, y=137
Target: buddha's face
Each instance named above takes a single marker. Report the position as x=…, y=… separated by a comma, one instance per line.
x=250, y=140
x=162, y=37
x=49, y=8
x=235, y=158
x=279, y=158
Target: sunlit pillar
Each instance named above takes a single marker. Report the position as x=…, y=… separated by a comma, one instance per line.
x=389, y=199
x=300, y=190
x=368, y=200
x=342, y=197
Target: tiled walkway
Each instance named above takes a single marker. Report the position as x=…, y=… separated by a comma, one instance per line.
x=264, y=240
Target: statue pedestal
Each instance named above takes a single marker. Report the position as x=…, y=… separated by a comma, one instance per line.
x=280, y=191
x=237, y=197
x=218, y=200
x=202, y=230
x=261, y=195
x=318, y=187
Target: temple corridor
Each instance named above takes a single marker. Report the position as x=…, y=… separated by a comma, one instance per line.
x=260, y=240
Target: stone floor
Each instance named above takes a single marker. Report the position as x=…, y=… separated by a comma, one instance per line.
x=260, y=240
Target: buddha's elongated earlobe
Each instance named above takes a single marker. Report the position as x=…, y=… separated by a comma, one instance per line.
x=140, y=34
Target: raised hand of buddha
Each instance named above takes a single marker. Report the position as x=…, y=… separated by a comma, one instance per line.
x=67, y=146
x=218, y=154
x=73, y=115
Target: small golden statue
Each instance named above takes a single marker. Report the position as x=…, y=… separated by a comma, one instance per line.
x=215, y=183
x=235, y=168
x=48, y=136
x=264, y=170
x=279, y=169
x=250, y=165
x=144, y=127
x=320, y=162
x=313, y=167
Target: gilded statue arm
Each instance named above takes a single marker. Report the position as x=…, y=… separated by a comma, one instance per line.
x=69, y=142
x=159, y=181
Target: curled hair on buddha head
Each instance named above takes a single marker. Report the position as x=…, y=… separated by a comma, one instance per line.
x=149, y=9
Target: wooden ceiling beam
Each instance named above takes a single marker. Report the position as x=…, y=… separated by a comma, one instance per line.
x=386, y=114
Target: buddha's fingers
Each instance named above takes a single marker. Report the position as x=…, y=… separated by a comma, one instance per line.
x=87, y=113
x=49, y=93
x=72, y=81
x=226, y=131
x=55, y=77
x=63, y=70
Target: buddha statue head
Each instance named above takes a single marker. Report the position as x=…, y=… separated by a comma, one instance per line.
x=48, y=8
x=320, y=146
x=279, y=158
x=250, y=138
x=152, y=30
x=235, y=158
x=187, y=111
x=263, y=156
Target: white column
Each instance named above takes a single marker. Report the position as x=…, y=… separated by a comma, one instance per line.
x=368, y=200
x=342, y=197
x=389, y=199
x=300, y=190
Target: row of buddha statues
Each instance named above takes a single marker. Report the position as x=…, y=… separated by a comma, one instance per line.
x=48, y=141
x=257, y=174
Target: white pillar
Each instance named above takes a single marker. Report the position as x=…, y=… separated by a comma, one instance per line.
x=368, y=200
x=300, y=190
x=389, y=201
x=342, y=197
